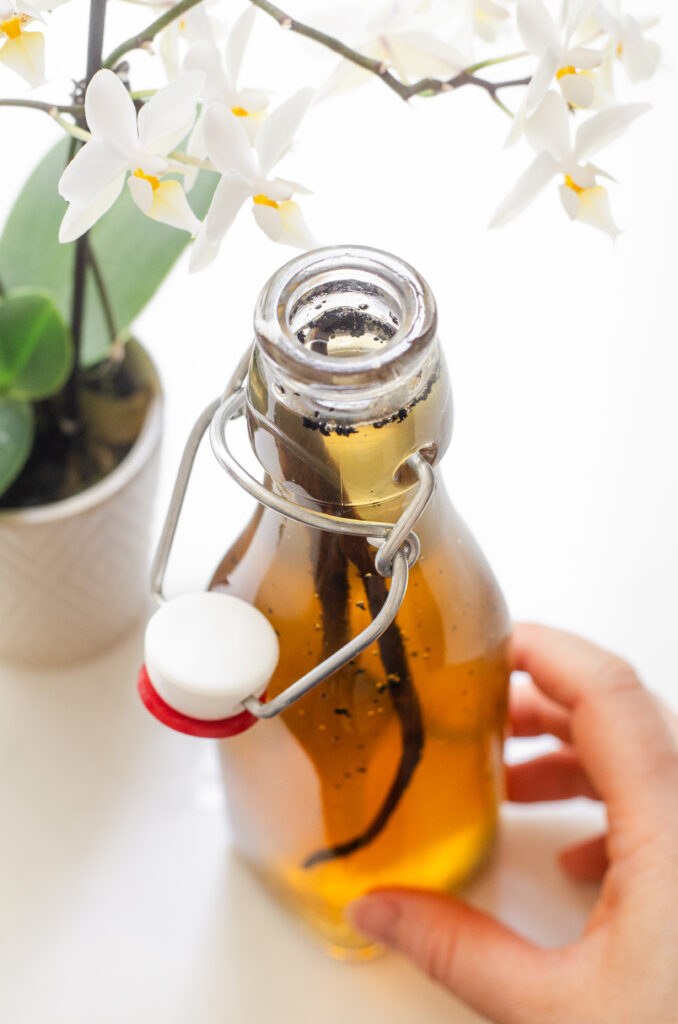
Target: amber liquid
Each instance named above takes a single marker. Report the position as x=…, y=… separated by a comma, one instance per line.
x=389, y=773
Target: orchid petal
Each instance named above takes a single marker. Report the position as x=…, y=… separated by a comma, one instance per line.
x=295, y=229
x=227, y=143
x=110, y=111
x=517, y=124
x=594, y=210
x=170, y=114
x=542, y=169
x=91, y=171
x=541, y=80
x=42, y=5
x=142, y=193
x=169, y=205
x=200, y=26
x=196, y=147
x=237, y=43
x=578, y=90
x=575, y=13
x=549, y=127
x=536, y=27
x=570, y=200
x=275, y=135
x=422, y=54
x=269, y=220
x=205, y=57
x=640, y=57
x=277, y=189
x=492, y=9
x=344, y=78
x=229, y=195
x=253, y=100
x=583, y=177
x=294, y=186
x=25, y=55
x=603, y=128
x=79, y=218
x=202, y=253
x=168, y=48
x=22, y=8
x=583, y=57
x=486, y=28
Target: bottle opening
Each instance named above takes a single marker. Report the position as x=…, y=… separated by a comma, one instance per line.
x=345, y=315
x=345, y=319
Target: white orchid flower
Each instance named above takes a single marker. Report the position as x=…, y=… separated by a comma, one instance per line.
x=548, y=131
x=396, y=34
x=558, y=58
x=245, y=174
x=221, y=83
x=24, y=51
x=639, y=56
x=121, y=142
x=487, y=19
x=196, y=25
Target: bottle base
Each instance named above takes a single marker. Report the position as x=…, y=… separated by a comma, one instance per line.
x=326, y=924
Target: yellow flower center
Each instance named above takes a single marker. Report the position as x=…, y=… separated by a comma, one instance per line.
x=262, y=200
x=620, y=49
x=240, y=112
x=153, y=182
x=12, y=27
x=573, y=185
x=568, y=70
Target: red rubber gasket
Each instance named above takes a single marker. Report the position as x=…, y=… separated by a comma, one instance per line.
x=219, y=729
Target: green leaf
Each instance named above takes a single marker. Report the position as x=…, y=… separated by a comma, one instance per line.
x=16, y=439
x=133, y=252
x=36, y=350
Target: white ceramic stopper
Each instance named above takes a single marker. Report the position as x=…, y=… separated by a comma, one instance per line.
x=207, y=652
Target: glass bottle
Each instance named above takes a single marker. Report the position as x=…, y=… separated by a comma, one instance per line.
x=389, y=773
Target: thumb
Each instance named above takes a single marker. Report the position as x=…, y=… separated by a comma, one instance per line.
x=488, y=966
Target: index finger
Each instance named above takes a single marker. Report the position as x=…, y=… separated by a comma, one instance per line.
x=623, y=741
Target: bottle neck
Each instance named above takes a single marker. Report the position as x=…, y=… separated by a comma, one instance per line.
x=347, y=380
x=332, y=453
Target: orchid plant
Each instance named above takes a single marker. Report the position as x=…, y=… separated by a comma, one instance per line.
x=143, y=172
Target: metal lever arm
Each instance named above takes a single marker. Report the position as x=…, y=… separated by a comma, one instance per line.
x=356, y=646
x=398, y=545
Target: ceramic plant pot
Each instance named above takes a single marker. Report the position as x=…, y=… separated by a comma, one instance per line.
x=74, y=573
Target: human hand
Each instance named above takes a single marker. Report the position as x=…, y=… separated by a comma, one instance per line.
x=619, y=747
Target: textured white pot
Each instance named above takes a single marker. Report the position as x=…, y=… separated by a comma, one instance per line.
x=74, y=574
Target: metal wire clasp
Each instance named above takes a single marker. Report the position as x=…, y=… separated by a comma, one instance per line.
x=398, y=546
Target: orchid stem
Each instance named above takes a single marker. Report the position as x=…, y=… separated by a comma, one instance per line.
x=103, y=294
x=190, y=161
x=427, y=86
x=63, y=108
x=146, y=36
x=424, y=86
x=74, y=130
x=502, y=106
x=71, y=403
x=491, y=61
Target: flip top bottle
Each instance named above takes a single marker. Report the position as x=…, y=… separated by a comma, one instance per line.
x=351, y=653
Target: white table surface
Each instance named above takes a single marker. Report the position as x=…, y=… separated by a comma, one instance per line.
x=120, y=900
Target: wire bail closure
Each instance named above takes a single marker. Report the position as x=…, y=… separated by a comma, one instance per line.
x=398, y=546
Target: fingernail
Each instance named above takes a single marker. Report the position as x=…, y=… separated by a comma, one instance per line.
x=376, y=916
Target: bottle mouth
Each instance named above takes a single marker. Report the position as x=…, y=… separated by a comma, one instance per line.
x=345, y=315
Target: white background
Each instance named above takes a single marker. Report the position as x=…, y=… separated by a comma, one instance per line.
x=120, y=900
